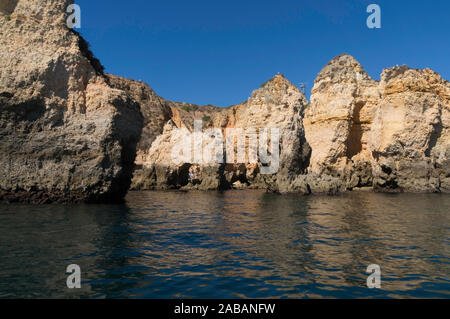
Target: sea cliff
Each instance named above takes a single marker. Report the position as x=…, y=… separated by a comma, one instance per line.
x=71, y=133
x=356, y=133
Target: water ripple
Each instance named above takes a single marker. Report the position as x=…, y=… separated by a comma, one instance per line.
x=245, y=244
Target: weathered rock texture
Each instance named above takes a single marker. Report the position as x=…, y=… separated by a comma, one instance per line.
x=388, y=135
x=410, y=137
x=65, y=134
x=277, y=104
x=337, y=123
x=70, y=133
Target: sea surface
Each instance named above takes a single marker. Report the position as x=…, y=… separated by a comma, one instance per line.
x=236, y=244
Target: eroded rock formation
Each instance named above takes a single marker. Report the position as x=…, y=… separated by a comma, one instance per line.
x=65, y=134
x=388, y=135
x=70, y=133
x=410, y=138
x=277, y=104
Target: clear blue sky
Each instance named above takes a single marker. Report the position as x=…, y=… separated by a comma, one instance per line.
x=217, y=52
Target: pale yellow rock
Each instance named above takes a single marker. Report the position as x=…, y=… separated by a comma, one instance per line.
x=277, y=104
x=65, y=134
x=390, y=135
x=409, y=131
x=70, y=133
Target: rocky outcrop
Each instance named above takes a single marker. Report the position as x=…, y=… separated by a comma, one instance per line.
x=66, y=135
x=337, y=123
x=277, y=104
x=161, y=117
x=357, y=133
x=409, y=138
x=390, y=135
x=70, y=133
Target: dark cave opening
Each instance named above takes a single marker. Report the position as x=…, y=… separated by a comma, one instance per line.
x=354, y=143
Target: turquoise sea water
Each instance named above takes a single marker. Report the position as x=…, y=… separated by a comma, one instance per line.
x=237, y=244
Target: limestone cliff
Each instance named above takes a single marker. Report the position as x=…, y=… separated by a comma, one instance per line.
x=337, y=123
x=409, y=137
x=388, y=135
x=65, y=134
x=277, y=104
x=70, y=133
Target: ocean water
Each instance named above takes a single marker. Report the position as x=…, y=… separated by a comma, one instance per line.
x=236, y=244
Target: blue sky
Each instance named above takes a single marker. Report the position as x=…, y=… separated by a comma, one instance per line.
x=217, y=52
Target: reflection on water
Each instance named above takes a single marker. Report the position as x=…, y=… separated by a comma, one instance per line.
x=229, y=245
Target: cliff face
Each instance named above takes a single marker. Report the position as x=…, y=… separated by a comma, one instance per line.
x=391, y=135
x=65, y=134
x=343, y=102
x=409, y=138
x=69, y=133
x=277, y=104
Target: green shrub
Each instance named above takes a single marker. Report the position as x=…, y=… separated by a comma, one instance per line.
x=189, y=107
x=8, y=18
x=206, y=118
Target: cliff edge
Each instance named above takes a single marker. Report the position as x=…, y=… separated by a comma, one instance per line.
x=65, y=134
